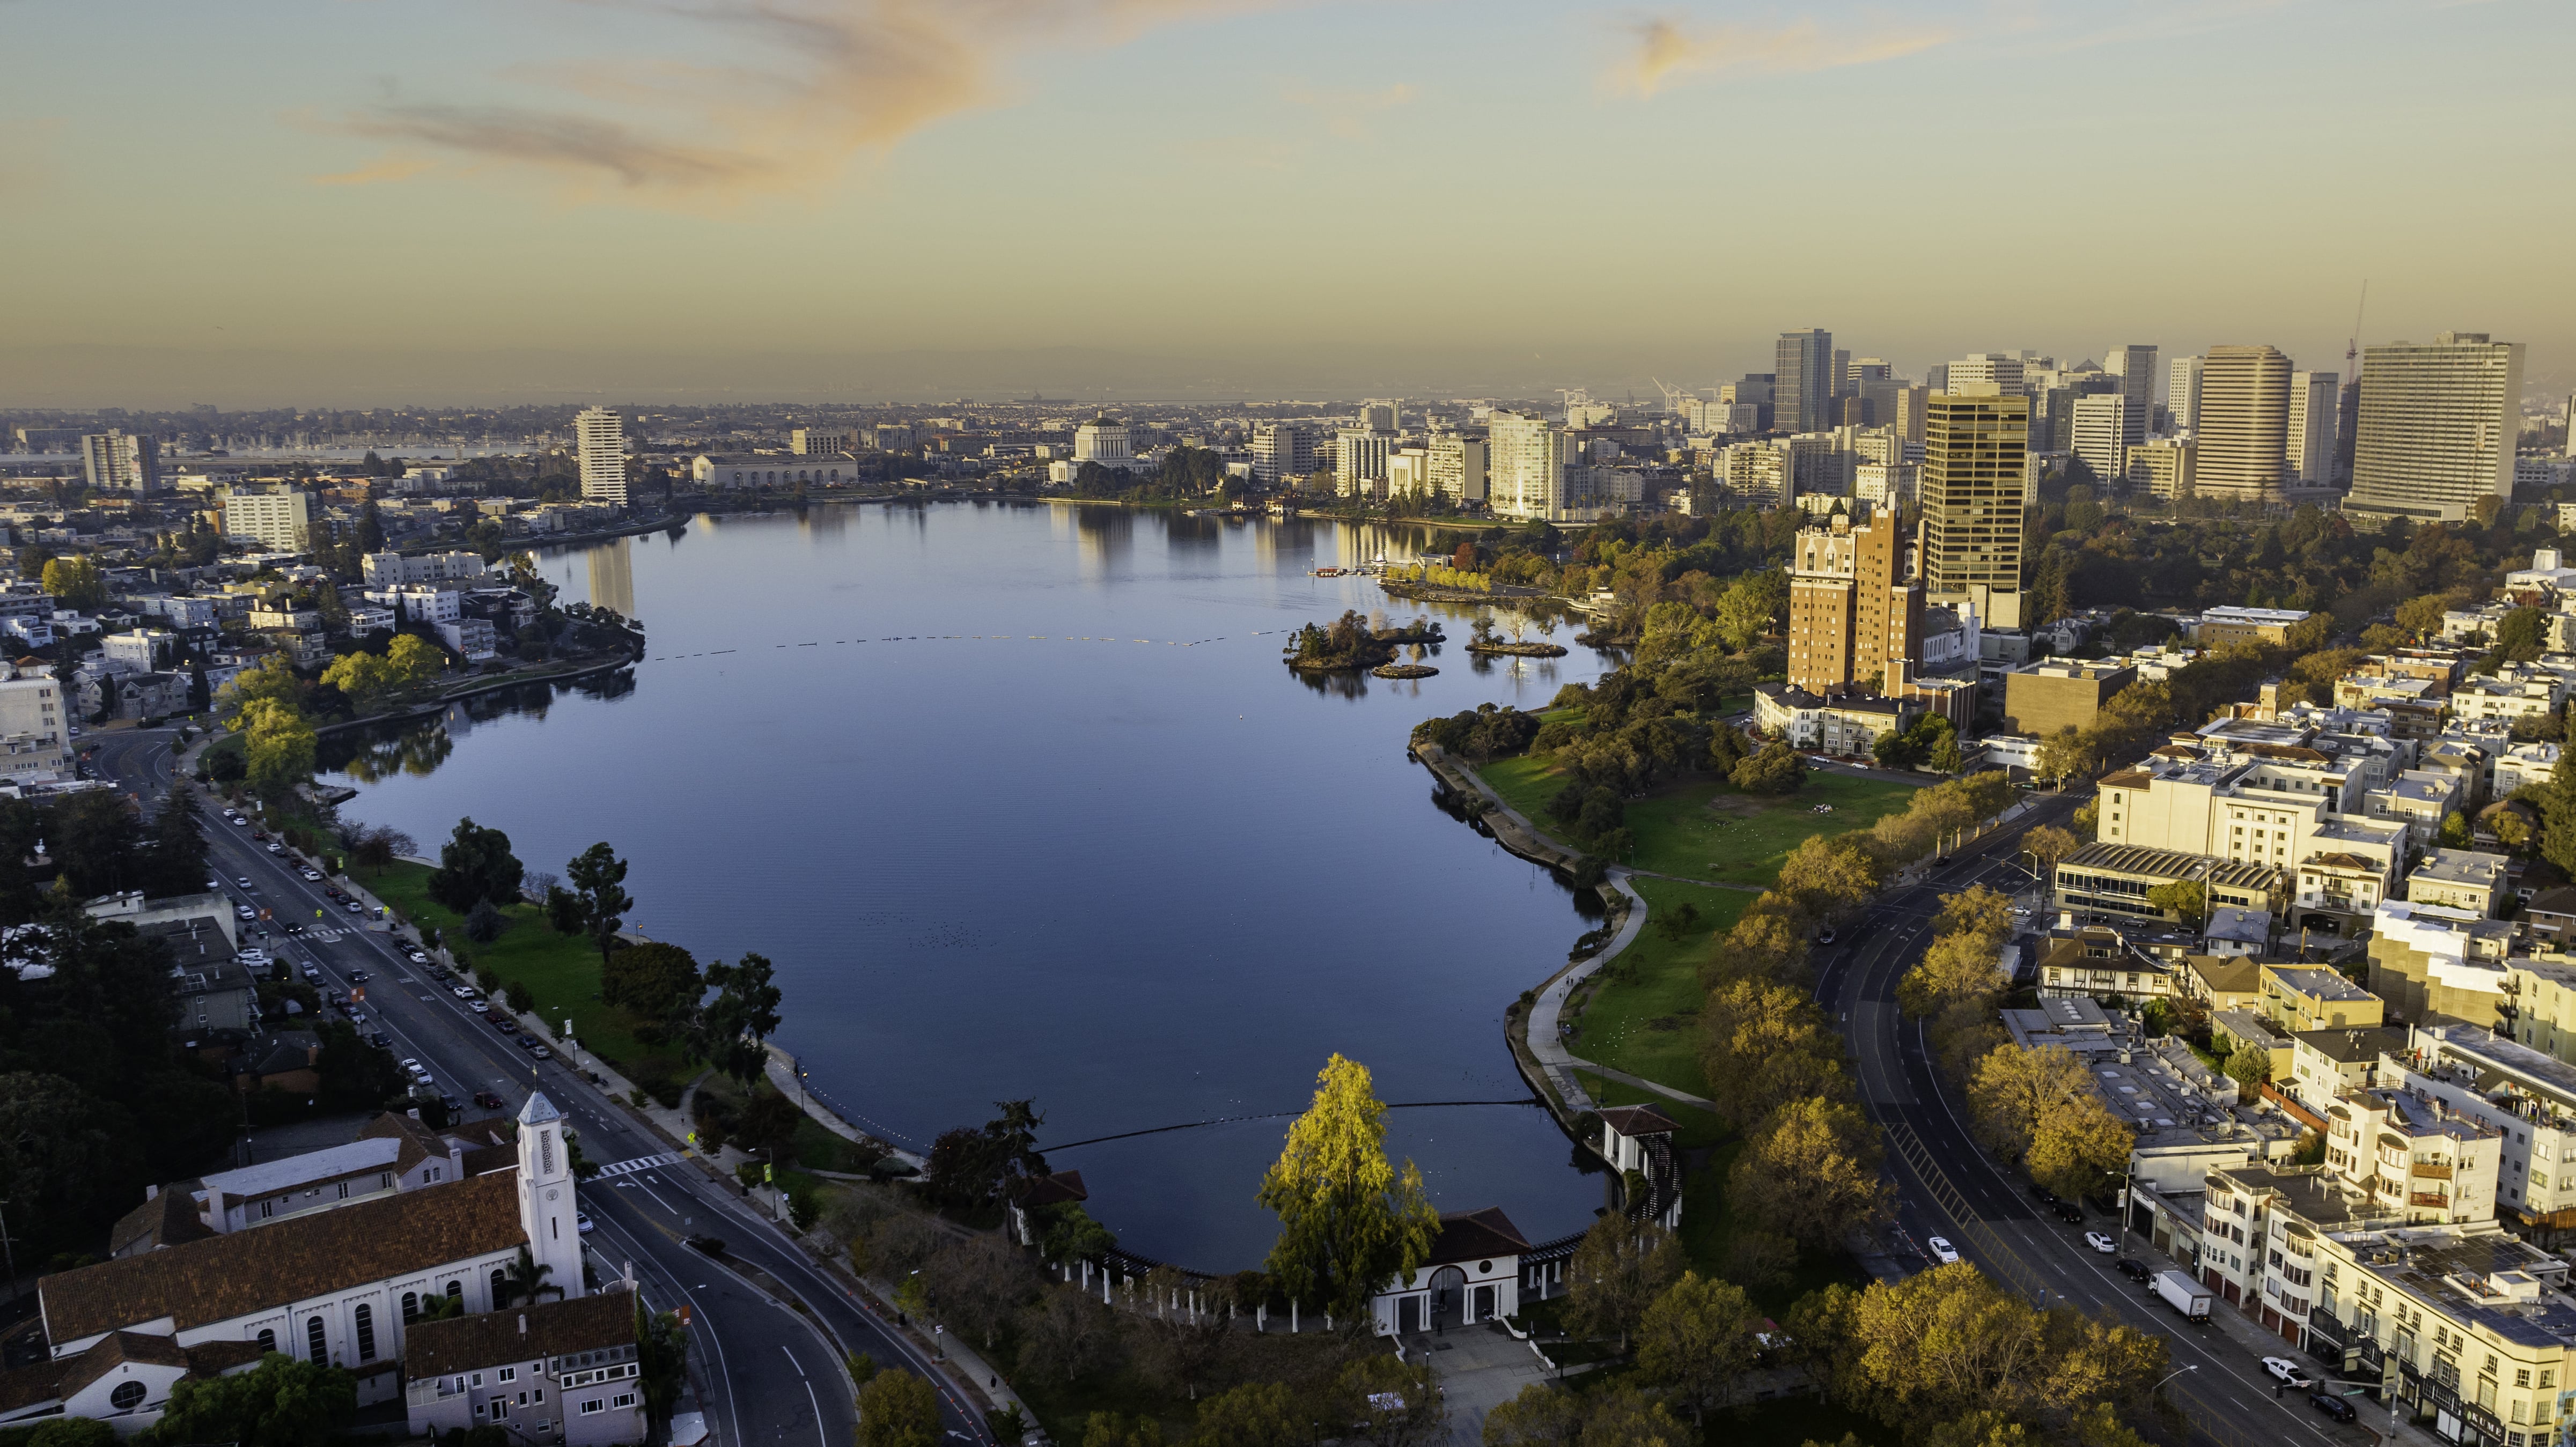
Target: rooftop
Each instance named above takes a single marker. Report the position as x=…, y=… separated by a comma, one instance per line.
x=530, y=1333
x=270, y=1177
x=2317, y=982
x=2461, y=866
x=2353, y=1047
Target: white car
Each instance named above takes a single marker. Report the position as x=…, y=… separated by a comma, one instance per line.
x=581, y=1222
x=417, y=957
x=462, y=993
x=409, y=1063
x=2287, y=1373
x=2100, y=1242
x=241, y=819
x=256, y=959
x=276, y=848
x=480, y=1008
x=313, y=874
x=1941, y=1249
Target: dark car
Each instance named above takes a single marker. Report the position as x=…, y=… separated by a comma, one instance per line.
x=1824, y=936
x=2044, y=1195
x=504, y=1024
x=358, y=977
x=381, y=1040
x=527, y=1042
x=2332, y=1405
x=2132, y=1268
x=487, y=1100
x=711, y=1245
x=2069, y=1212
x=454, y=1106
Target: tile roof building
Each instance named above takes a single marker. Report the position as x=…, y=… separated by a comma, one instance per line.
x=555, y=1371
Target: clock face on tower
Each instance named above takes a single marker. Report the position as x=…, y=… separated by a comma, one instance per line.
x=551, y=1193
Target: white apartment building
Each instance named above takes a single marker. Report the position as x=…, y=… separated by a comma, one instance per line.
x=2526, y=1095
x=35, y=729
x=1360, y=462
x=394, y=570
x=277, y=515
x=2182, y=391
x=1525, y=467
x=116, y=461
x=1281, y=452
x=1408, y=472
x=2314, y=400
x=601, y=437
x=2276, y=812
x=2100, y=434
x=821, y=441
x=1458, y=467
x=2437, y=427
x=1886, y=484
x=420, y=604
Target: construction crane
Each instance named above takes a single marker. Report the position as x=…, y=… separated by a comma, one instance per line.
x=1674, y=397
x=2352, y=349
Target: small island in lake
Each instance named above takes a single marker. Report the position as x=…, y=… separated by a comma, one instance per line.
x=1348, y=644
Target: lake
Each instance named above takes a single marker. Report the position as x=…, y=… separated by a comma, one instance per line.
x=1022, y=802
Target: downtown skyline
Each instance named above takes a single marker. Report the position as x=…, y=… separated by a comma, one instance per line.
x=352, y=205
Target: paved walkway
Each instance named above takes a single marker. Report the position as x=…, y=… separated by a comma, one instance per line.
x=1479, y=1368
x=1546, y=1015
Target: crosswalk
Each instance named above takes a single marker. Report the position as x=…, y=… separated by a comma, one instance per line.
x=640, y=1163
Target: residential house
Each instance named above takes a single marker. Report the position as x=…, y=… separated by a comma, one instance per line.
x=567, y=1371
x=2461, y=879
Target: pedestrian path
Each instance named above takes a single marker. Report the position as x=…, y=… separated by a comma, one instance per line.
x=640, y=1163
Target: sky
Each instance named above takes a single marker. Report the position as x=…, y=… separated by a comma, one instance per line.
x=372, y=202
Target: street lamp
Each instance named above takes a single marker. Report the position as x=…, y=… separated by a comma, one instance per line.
x=2176, y=1372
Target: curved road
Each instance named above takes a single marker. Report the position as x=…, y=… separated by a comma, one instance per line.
x=766, y=1374
x=1947, y=1186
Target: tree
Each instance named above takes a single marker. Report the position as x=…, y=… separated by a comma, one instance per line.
x=1697, y=1342
x=476, y=863
x=1187, y=1336
x=1966, y=965
x=1348, y=1223
x=1618, y=1270
x=1811, y=1174
x=282, y=1402
x=2455, y=830
x=1391, y=1403
x=898, y=1409
x=525, y=1279
x=980, y=1284
x=1256, y=1414
x=1541, y=1416
x=2048, y=844
x=2249, y=1065
x=2423, y=616
x=2081, y=1147
x=744, y=1014
x=364, y=677
x=655, y=981
x=598, y=881
x=76, y=584
x=178, y=853
x=2012, y=1090
x=278, y=747
x=563, y=911
x=2187, y=900
x=1778, y=769
x=1068, y=1336
x=1828, y=879
x=272, y=679
x=483, y=923
x=1762, y=1045
x=411, y=660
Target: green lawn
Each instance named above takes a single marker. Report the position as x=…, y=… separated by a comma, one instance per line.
x=1643, y=1017
x=1705, y=829
x=562, y=971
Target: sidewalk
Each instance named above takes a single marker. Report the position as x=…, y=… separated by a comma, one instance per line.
x=1546, y=1033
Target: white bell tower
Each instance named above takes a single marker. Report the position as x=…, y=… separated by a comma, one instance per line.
x=547, y=1209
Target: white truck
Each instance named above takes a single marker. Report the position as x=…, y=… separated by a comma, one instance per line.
x=2183, y=1294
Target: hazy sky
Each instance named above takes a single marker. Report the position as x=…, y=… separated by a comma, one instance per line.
x=366, y=201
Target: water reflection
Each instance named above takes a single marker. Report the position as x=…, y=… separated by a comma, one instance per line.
x=612, y=576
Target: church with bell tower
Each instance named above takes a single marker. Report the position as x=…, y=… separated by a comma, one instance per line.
x=547, y=1211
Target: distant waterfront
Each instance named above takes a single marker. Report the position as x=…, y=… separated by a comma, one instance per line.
x=1022, y=803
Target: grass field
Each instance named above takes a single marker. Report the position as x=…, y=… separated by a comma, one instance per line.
x=1704, y=829
x=1643, y=1017
x=562, y=971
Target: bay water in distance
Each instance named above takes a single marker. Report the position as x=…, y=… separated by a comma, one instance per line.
x=1021, y=801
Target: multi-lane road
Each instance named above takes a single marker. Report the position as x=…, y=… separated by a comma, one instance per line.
x=766, y=1373
x=1949, y=1187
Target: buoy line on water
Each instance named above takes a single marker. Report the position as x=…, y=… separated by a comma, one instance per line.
x=978, y=638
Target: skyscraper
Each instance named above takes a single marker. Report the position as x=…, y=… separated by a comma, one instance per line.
x=2244, y=424
x=1524, y=467
x=2314, y=399
x=601, y=434
x=1974, y=439
x=121, y=462
x=1852, y=622
x=2135, y=366
x=2100, y=425
x=2001, y=368
x=2437, y=427
x=2182, y=392
x=1803, y=381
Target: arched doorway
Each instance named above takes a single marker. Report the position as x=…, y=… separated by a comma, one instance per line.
x=1448, y=1298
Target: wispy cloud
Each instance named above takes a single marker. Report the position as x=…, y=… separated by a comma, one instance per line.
x=769, y=96
x=1669, y=50
x=1346, y=113
x=383, y=168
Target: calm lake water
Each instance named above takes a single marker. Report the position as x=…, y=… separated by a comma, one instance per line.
x=1023, y=803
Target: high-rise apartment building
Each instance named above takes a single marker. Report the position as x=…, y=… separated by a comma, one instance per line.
x=1360, y=461
x=1281, y=452
x=2135, y=366
x=1377, y=416
x=276, y=513
x=1802, y=387
x=2244, y=423
x=601, y=435
x=1524, y=467
x=2314, y=400
x=1458, y=467
x=2003, y=369
x=2182, y=391
x=121, y=462
x=2437, y=427
x=1854, y=623
x=1974, y=439
x=2164, y=467
x=1903, y=412
x=2097, y=434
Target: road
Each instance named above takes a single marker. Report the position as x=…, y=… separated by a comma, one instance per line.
x=766, y=1373
x=1949, y=1187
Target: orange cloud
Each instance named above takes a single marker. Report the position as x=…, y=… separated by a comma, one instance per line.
x=1669, y=51
x=799, y=88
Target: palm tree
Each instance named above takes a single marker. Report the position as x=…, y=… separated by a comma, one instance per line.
x=525, y=1280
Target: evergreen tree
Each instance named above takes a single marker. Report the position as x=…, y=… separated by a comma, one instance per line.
x=2558, y=813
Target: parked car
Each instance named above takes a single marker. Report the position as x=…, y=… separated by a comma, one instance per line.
x=505, y=1024
x=527, y=1042
x=381, y=1040
x=462, y=992
x=452, y=1104
x=1941, y=1249
x=243, y=911
x=2132, y=1268
x=312, y=874
x=2339, y=1408
x=480, y=1008
x=2287, y=1373
x=581, y=1222
x=2100, y=1242
x=242, y=880
x=416, y=957
x=241, y=819
x=356, y=908
x=2069, y=1212
x=1824, y=936
x=541, y=1052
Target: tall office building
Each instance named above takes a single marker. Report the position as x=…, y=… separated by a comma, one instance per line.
x=2135, y=366
x=1860, y=371
x=1853, y=621
x=2244, y=424
x=2437, y=427
x=121, y=462
x=1524, y=467
x=2314, y=399
x=601, y=434
x=1974, y=440
x=821, y=441
x=1802, y=387
x=1281, y=452
x=1377, y=416
x=1360, y=461
x=2098, y=434
x=2182, y=391
x=2002, y=369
